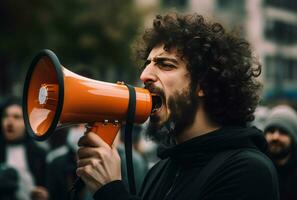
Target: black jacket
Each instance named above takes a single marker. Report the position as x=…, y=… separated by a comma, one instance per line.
x=246, y=175
x=62, y=175
x=287, y=176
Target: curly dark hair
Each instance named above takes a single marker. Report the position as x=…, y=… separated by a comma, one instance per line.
x=220, y=63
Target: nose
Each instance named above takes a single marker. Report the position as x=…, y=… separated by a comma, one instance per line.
x=149, y=74
x=275, y=134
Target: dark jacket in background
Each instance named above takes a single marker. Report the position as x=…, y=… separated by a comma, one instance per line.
x=8, y=182
x=287, y=175
x=61, y=177
x=246, y=175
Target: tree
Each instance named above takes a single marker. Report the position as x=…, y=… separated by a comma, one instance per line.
x=90, y=34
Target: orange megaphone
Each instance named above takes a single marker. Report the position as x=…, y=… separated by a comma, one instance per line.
x=54, y=96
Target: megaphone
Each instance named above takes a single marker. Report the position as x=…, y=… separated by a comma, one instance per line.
x=55, y=97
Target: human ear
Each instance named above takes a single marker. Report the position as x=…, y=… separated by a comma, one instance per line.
x=201, y=93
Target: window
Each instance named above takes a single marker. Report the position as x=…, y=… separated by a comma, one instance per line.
x=231, y=4
x=269, y=68
x=280, y=67
x=280, y=32
x=175, y=3
x=285, y=4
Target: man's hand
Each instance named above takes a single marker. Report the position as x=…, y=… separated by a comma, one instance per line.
x=39, y=193
x=98, y=163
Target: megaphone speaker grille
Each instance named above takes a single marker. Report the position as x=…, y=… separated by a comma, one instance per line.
x=43, y=95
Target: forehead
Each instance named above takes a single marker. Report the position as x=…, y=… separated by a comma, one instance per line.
x=160, y=51
x=13, y=109
x=278, y=128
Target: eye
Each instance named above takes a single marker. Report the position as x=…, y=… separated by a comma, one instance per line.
x=166, y=66
x=16, y=116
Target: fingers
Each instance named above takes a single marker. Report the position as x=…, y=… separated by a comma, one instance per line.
x=91, y=139
x=98, y=163
x=114, y=150
x=91, y=177
x=39, y=193
x=87, y=152
x=88, y=161
x=95, y=152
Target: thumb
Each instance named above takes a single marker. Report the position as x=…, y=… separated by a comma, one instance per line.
x=91, y=139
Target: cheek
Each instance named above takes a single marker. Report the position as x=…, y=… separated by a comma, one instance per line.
x=288, y=141
x=4, y=122
x=177, y=85
x=170, y=81
x=20, y=125
x=267, y=137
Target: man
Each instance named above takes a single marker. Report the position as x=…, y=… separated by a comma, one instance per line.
x=19, y=152
x=281, y=135
x=205, y=79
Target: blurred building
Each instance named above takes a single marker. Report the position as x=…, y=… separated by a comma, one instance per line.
x=280, y=48
x=271, y=27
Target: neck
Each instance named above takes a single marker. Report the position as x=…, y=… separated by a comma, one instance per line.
x=201, y=126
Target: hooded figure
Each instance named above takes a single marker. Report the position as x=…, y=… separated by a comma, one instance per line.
x=18, y=151
x=281, y=134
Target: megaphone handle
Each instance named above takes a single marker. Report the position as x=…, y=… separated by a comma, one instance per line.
x=106, y=131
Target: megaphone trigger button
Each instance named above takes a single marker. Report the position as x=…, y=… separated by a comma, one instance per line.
x=116, y=123
x=121, y=82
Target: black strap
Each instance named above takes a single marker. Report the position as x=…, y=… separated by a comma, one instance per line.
x=128, y=138
x=77, y=186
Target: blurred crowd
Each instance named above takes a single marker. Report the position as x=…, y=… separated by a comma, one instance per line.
x=47, y=170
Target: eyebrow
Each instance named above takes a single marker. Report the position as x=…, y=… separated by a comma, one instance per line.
x=160, y=59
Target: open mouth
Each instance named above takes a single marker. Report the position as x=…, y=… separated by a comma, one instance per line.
x=9, y=130
x=157, y=103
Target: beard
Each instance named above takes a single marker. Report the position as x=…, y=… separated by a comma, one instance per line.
x=278, y=150
x=182, y=106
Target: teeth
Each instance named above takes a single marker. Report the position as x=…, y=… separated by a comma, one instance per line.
x=155, y=110
x=157, y=103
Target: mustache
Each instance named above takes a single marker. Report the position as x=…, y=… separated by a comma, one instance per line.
x=153, y=89
x=276, y=142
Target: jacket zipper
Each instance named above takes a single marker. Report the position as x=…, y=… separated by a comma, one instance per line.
x=173, y=183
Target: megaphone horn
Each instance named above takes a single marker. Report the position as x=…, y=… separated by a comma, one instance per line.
x=54, y=96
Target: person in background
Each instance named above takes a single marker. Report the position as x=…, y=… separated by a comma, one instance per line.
x=19, y=151
x=281, y=134
x=62, y=166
